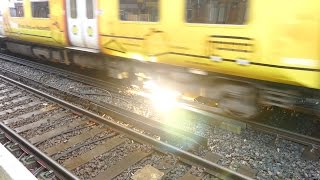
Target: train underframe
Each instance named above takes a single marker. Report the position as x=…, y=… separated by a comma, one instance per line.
x=235, y=96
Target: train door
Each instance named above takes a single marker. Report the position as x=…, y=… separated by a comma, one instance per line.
x=1, y=22
x=82, y=23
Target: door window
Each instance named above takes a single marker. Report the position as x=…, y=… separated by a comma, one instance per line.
x=90, y=13
x=40, y=9
x=16, y=10
x=73, y=9
x=139, y=10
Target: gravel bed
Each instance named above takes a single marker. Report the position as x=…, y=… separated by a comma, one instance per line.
x=209, y=177
x=50, y=126
x=106, y=160
x=154, y=159
x=293, y=121
x=8, y=88
x=34, y=118
x=6, y=85
x=8, y=105
x=177, y=169
x=257, y=150
x=21, y=112
x=7, y=98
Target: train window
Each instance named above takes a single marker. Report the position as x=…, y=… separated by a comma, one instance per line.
x=40, y=9
x=16, y=10
x=216, y=11
x=139, y=10
x=90, y=14
x=73, y=9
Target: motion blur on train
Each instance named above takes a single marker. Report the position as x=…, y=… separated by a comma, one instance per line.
x=235, y=55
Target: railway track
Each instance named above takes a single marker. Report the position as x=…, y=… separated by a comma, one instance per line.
x=45, y=131
x=312, y=143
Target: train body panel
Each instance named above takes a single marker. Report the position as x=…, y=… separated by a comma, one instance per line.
x=1, y=17
x=280, y=47
x=129, y=38
x=40, y=22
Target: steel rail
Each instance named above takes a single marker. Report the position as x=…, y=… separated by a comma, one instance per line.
x=50, y=163
x=227, y=173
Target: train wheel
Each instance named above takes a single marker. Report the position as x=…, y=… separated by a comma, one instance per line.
x=240, y=103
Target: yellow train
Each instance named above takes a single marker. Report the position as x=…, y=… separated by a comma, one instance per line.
x=239, y=54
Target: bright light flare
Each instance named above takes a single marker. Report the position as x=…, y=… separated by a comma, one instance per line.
x=163, y=99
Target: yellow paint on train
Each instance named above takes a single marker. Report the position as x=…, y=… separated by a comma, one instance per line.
x=280, y=38
x=47, y=31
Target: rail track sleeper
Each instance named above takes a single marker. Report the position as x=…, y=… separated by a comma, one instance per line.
x=213, y=157
x=30, y=114
x=55, y=132
x=6, y=90
x=247, y=171
x=125, y=163
x=21, y=107
x=190, y=176
x=40, y=122
x=14, y=101
x=74, y=140
x=98, y=150
x=165, y=166
x=311, y=153
x=76, y=147
x=60, y=170
x=10, y=95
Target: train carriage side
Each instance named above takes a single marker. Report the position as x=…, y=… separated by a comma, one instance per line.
x=235, y=37
x=241, y=38
x=37, y=21
x=238, y=39
x=41, y=23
